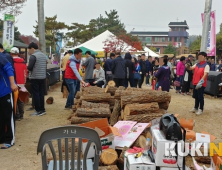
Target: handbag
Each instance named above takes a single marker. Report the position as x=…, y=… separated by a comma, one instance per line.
x=177, y=83
x=137, y=76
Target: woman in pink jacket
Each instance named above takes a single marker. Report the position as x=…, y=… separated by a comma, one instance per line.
x=180, y=72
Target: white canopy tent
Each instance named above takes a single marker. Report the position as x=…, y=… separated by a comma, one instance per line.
x=97, y=43
x=150, y=52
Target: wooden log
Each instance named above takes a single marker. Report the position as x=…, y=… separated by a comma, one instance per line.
x=76, y=101
x=136, y=108
x=86, y=104
x=78, y=95
x=122, y=114
x=147, y=97
x=121, y=157
x=164, y=105
x=111, y=83
x=65, y=92
x=109, y=157
x=145, y=118
x=111, y=167
x=50, y=100
x=203, y=159
x=118, y=94
x=92, y=90
x=140, y=142
x=116, y=113
x=122, y=88
x=96, y=98
x=79, y=120
x=111, y=90
x=119, y=118
x=70, y=116
x=93, y=112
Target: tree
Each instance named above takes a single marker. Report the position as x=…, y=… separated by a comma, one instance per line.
x=114, y=44
x=219, y=41
x=170, y=49
x=27, y=39
x=194, y=46
x=153, y=49
x=12, y=7
x=52, y=28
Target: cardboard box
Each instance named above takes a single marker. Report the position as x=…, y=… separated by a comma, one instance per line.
x=167, y=168
x=141, y=163
x=158, y=149
x=105, y=132
x=219, y=163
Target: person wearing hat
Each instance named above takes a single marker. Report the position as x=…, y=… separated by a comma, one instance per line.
x=7, y=86
x=188, y=76
x=65, y=60
x=37, y=67
x=21, y=74
x=99, y=76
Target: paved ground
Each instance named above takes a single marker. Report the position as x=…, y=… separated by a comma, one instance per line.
x=23, y=155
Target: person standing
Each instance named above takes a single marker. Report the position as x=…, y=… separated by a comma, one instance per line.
x=72, y=76
x=108, y=68
x=144, y=71
x=119, y=70
x=7, y=111
x=137, y=71
x=219, y=68
x=99, y=76
x=37, y=68
x=21, y=75
x=89, y=65
x=213, y=65
x=180, y=73
x=65, y=59
x=149, y=70
x=201, y=71
x=163, y=76
x=130, y=68
x=188, y=76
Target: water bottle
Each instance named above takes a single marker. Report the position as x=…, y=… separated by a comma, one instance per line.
x=147, y=147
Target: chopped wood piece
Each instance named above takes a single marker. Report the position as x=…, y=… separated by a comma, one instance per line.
x=109, y=157
x=86, y=104
x=96, y=98
x=111, y=90
x=111, y=167
x=50, y=100
x=92, y=90
x=147, y=97
x=164, y=105
x=93, y=112
x=203, y=159
x=78, y=95
x=145, y=118
x=122, y=114
x=111, y=83
x=79, y=120
x=140, y=142
x=116, y=113
x=135, y=109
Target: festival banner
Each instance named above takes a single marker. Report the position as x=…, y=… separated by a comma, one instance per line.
x=8, y=32
x=211, y=43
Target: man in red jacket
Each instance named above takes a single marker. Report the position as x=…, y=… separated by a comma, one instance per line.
x=21, y=74
x=201, y=71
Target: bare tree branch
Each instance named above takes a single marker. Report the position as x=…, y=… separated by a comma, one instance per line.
x=12, y=7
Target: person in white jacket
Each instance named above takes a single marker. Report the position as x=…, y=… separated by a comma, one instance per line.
x=99, y=76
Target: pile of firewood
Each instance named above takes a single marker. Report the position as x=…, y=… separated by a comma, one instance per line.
x=140, y=105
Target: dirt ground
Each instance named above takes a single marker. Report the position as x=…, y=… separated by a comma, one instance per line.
x=23, y=156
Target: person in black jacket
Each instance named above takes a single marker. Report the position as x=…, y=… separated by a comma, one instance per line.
x=144, y=71
x=119, y=70
x=108, y=68
x=130, y=68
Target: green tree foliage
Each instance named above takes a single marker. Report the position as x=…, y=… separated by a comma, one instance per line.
x=153, y=49
x=219, y=41
x=170, y=49
x=52, y=27
x=194, y=46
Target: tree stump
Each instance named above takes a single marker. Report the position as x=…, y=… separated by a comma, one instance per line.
x=135, y=109
x=109, y=157
x=140, y=142
x=111, y=167
x=111, y=83
x=86, y=104
x=50, y=100
x=93, y=112
x=147, y=97
x=65, y=92
x=80, y=120
x=111, y=90
x=116, y=113
x=96, y=98
x=145, y=118
x=78, y=95
x=164, y=105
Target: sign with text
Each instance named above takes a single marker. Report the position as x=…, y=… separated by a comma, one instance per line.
x=211, y=42
x=8, y=32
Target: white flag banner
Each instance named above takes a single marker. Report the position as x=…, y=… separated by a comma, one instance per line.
x=8, y=32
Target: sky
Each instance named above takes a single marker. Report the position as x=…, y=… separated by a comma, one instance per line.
x=140, y=15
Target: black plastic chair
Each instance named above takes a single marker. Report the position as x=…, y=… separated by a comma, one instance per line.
x=66, y=133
